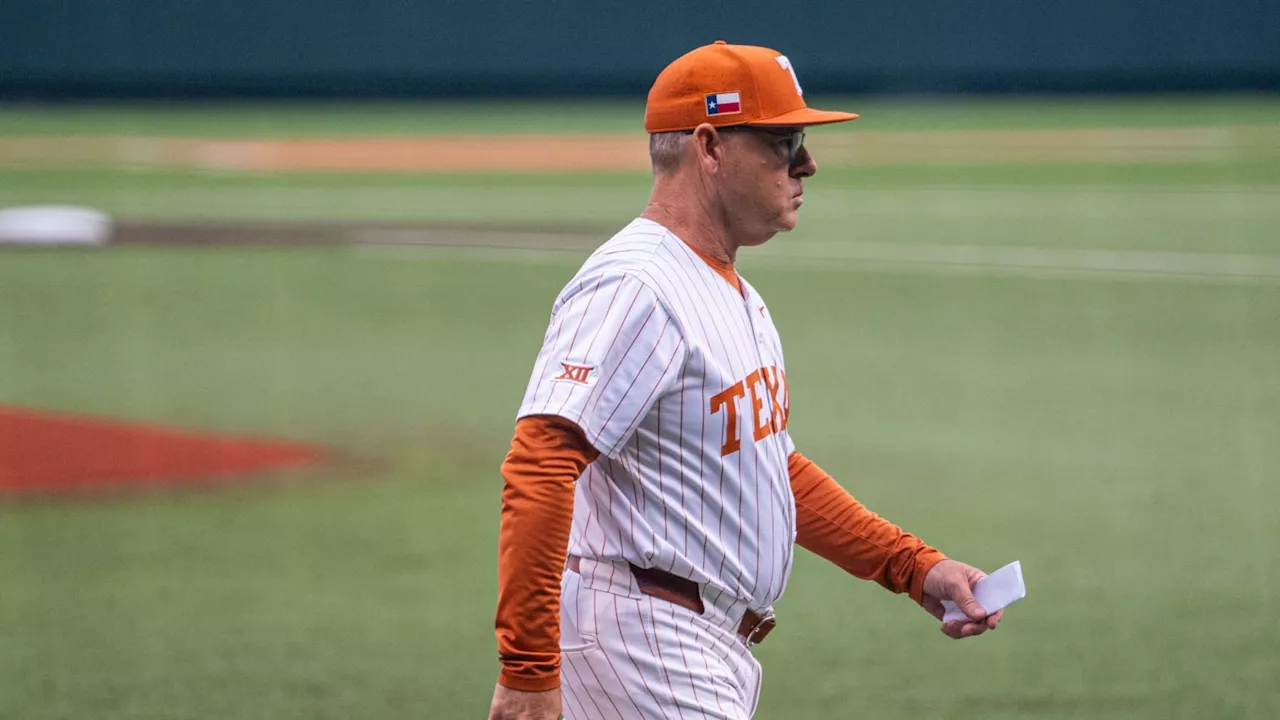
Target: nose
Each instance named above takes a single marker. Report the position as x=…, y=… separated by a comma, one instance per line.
x=804, y=166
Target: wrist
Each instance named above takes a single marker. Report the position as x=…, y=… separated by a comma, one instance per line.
x=514, y=680
x=926, y=561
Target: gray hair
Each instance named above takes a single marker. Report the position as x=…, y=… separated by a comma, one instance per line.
x=665, y=149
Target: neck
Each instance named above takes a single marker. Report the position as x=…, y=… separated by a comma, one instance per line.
x=700, y=223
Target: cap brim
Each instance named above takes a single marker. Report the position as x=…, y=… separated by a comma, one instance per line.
x=806, y=116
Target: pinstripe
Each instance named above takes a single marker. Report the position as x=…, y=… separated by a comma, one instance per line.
x=622, y=541
x=540, y=368
x=661, y=476
x=684, y=659
x=753, y=700
x=653, y=390
x=590, y=298
x=609, y=661
x=760, y=543
x=596, y=336
x=637, y=488
x=702, y=644
x=585, y=660
x=631, y=657
x=645, y=364
x=594, y=542
x=575, y=687
x=604, y=381
x=622, y=474
x=634, y=511
x=741, y=495
x=654, y=649
x=585, y=691
x=657, y=441
x=774, y=501
x=680, y=454
x=572, y=690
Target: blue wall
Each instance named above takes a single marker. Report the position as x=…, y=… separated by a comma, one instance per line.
x=339, y=48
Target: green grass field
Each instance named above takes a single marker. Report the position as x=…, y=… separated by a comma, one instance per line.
x=1075, y=366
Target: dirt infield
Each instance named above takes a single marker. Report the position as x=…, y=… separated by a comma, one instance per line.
x=47, y=453
x=286, y=234
x=603, y=152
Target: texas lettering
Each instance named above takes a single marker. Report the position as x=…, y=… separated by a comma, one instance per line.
x=746, y=399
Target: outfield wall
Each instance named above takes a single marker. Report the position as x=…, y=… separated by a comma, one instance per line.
x=347, y=48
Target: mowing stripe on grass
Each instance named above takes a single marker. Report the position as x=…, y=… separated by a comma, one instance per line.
x=932, y=259
x=1054, y=262
x=1075, y=202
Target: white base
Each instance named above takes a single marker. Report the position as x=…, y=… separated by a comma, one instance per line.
x=54, y=225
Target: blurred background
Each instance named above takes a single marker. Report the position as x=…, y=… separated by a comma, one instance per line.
x=273, y=277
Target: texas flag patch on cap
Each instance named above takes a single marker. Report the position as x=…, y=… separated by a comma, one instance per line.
x=723, y=104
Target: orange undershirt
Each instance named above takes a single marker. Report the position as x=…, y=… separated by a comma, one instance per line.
x=832, y=524
x=548, y=454
x=723, y=269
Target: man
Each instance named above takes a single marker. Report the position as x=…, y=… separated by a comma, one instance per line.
x=653, y=495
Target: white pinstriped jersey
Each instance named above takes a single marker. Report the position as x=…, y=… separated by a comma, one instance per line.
x=678, y=380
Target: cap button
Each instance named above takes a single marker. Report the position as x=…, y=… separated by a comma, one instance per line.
x=720, y=42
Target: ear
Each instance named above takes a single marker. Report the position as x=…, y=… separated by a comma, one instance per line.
x=707, y=145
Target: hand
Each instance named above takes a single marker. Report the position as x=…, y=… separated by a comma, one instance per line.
x=511, y=704
x=954, y=581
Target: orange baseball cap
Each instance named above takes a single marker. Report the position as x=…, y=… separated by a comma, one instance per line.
x=724, y=84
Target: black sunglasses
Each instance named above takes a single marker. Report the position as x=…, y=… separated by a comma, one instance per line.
x=795, y=138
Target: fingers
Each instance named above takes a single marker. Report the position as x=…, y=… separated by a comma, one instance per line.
x=994, y=619
x=970, y=606
x=958, y=630
x=933, y=606
x=955, y=582
x=962, y=595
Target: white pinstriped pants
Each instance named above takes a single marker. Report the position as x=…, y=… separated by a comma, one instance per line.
x=627, y=655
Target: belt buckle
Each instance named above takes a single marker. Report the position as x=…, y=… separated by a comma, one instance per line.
x=758, y=631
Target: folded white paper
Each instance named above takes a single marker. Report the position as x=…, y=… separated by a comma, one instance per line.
x=993, y=592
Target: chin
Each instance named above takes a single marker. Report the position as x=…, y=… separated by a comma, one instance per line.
x=788, y=222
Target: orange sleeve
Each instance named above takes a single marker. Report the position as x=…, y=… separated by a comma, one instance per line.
x=833, y=525
x=547, y=455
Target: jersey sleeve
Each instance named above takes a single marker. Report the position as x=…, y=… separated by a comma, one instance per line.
x=610, y=352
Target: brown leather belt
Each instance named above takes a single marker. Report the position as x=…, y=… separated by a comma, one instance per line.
x=684, y=592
